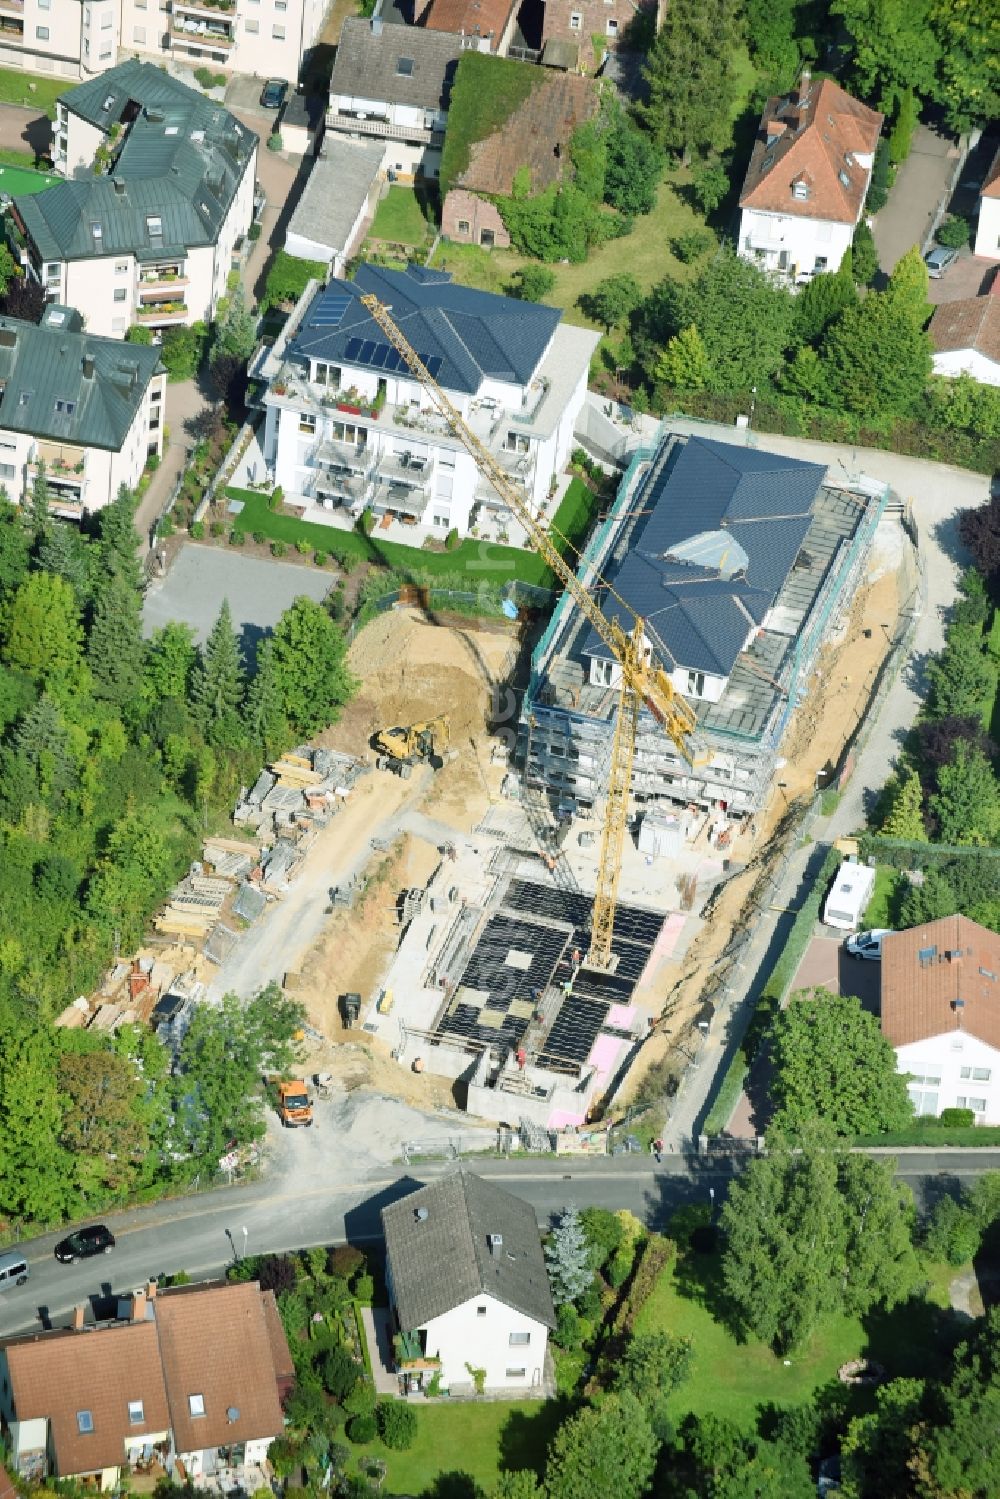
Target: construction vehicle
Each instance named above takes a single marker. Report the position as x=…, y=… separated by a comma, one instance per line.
x=644, y=679
x=415, y=743
x=292, y=1102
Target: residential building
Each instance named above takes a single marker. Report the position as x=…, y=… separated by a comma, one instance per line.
x=393, y=84
x=740, y=563
x=581, y=22
x=988, y=225
x=154, y=239
x=483, y=25
x=337, y=203
x=534, y=138
x=90, y=409
x=467, y=1284
x=966, y=337
x=64, y=38
x=349, y=428
x=186, y=1383
x=808, y=178
x=940, y=1010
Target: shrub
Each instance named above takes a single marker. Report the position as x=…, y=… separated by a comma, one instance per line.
x=278, y=549
x=691, y=244
x=274, y=141
x=276, y=498
x=361, y=1400
x=137, y=334
x=361, y=1429
x=604, y=1234
x=366, y=522
x=881, y=179
x=953, y=234
x=956, y=1118
x=397, y=1424
x=303, y=548
x=259, y=538
x=589, y=1304
x=346, y=1261
x=532, y=283
x=620, y=1267
x=152, y=463
x=320, y=559
x=569, y=1330
x=217, y=528
x=338, y=1372
x=237, y=538
x=364, y=1288
x=451, y=540
x=198, y=529
x=953, y=1233
x=253, y=233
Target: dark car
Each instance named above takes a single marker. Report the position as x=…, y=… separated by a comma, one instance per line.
x=274, y=93
x=84, y=1243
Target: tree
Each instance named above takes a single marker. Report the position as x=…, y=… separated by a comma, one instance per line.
x=793, y=1226
x=138, y=333
x=979, y=530
x=117, y=541
x=907, y=116
x=520, y=1483
x=181, y=349
x=40, y=631
x=823, y=299
x=62, y=550
x=633, y=168
x=968, y=83
x=961, y=677
x=532, y=283
x=233, y=342
x=714, y=1458
x=310, y=666
x=904, y=817
x=880, y=1267
x=893, y=47
x=8, y=269
x=967, y=801
x=878, y=358
x=805, y=376
x=605, y=1450
x=864, y=257
x=936, y=738
x=218, y=683
x=952, y=1457
x=39, y=499
x=928, y=901
x=772, y=34
x=36, y=1171
x=130, y=878
x=907, y=288
x=24, y=299
x=568, y=1258
x=833, y=1063
x=101, y=1094
x=14, y=547
x=877, y=1447
x=709, y=183
x=171, y=656
x=652, y=1365
x=42, y=744
x=690, y=77
x=264, y=710
x=115, y=647
x=684, y=363
x=612, y=300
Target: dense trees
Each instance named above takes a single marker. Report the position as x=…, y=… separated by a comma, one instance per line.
x=689, y=75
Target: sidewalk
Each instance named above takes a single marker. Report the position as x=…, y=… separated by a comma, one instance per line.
x=184, y=403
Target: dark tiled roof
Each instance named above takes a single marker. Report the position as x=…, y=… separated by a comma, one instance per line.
x=701, y=616
x=961, y=963
x=41, y=366
x=367, y=64
x=183, y=160
x=476, y=335
x=441, y=1261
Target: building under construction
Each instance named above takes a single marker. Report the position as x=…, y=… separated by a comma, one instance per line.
x=741, y=563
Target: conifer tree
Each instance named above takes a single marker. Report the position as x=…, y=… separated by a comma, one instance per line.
x=568, y=1256
x=114, y=644
x=218, y=684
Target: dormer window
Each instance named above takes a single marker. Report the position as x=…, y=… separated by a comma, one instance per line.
x=136, y=1414
x=154, y=224
x=65, y=408
x=844, y=178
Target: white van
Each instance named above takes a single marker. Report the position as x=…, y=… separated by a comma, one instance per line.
x=852, y=889
x=13, y=1270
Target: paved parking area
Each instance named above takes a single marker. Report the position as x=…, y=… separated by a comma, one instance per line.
x=968, y=277
x=258, y=591
x=921, y=182
x=826, y=962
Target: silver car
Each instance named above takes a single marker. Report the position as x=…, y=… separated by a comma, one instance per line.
x=938, y=260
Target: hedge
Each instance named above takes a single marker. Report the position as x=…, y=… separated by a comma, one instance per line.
x=934, y=1134
x=903, y=853
x=769, y=1001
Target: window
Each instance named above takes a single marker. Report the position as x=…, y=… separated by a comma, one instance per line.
x=845, y=177
x=44, y=4
x=155, y=395
x=84, y=1422
x=196, y=1405
x=612, y=27
x=487, y=238
x=121, y=292
x=820, y=265
x=519, y=1337
x=278, y=33
x=977, y=1105
x=154, y=224
x=602, y=673
x=97, y=232
x=986, y=974
x=106, y=22
x=696, y=683
x=515, y=442
x=136, y=1414
x=981, y=1074
x=138, y=33
x=480, y=1311
x=576, y=21
x=515, y=1373
x=53, y=275
x=65, y=408
x=121, y=267
x=800, y=190
x=24, y=397
x=926, y=956
x=252, y=27
x=307, y=422
x=119, y=324
x=7, y=471
x=464, y=226
x=42, y=33
x=404, y=67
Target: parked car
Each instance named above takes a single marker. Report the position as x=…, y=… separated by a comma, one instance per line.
x=85, y=1242
x=868, y=945
x=938, y=260
x=273, y=96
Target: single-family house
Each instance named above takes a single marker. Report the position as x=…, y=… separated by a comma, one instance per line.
x=966, y=337
x=392, y=84
x=186, y=1382
x=988, y=224
x=534, y=138
x=468, y=1288
x=88, y=409
x=807, y=180
x=483, y=25
x=349, y=428
x=152, y=240
x=337, y=202
x=941, y=1011
x=582, y=22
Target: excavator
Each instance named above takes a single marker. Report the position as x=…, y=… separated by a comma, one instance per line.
x=401, y=748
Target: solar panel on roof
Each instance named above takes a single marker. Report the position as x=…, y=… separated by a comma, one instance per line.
x=433, y=364
x=381, y=355
x=353, y=349
x=330, y=309
x=394, y=360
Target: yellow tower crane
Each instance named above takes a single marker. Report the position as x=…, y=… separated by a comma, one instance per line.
x=644, y=679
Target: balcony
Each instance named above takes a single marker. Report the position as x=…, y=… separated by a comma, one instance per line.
x=201, y=35
x=10, y=31
x=397, y=499
x=11, y=7
x=383, y=129
x=207, y=8
x=340, y=486
x=412, y=473
x=156, y=278
x=152, y=292
x=162, y=313
x=346, y=455
x=62, y=460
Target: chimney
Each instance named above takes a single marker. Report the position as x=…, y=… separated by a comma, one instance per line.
x=119, y=186
x=805, y=80
x=151, y=1290
x=88, y=367
x=138, y=1310
x=78, y=1315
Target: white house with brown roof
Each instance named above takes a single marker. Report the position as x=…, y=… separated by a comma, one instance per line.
x=988, y=227
x=966, y=337
x=187, y=1382
x=941, y=1012
x=808, y=178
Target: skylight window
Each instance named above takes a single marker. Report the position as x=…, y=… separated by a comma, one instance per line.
x=108, y=102
x=24, y=398
x=154, y=223
x=66, y=408
x=404, y=67
x=845, y=179
x=171, y=130
x=196, y=1405
x=84, y=1422
x=136, y=1414
x=56, y=318
x=97, y=231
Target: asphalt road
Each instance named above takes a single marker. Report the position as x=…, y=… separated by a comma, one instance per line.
x=203, y=1234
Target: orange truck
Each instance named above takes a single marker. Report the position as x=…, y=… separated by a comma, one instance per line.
x=293, y=1103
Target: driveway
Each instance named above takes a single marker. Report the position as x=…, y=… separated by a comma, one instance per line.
x=970, y=276
x=185, y=402
x=922, y=183
x=281, y=175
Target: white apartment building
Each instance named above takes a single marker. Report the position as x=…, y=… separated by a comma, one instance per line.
x=940, y=987
x=392, y=84
x=153, y=241
x=988, y=223
x=66, y=38
x=90, y=409
x=349, y=428
x=807, y=181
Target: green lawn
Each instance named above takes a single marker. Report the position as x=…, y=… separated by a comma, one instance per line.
x=400, y=218
x=480, y=562
x=470, y=1438
x=30, y=90
x=731, y=1379
x=22, y=180
x=881, y=909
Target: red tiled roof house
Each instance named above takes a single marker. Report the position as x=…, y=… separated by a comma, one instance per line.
x=808, y=178
x=988, y=227
x=966, y=337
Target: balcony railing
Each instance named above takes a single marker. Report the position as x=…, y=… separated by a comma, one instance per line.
x=384, y=130
x=160, y=290
x=60, y=458
x=343, y=455
x=205, y=7
x=199, y=34
x=162, y=312
x=12, y=7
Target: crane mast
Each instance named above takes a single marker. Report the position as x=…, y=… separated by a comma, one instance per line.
x=643, y=678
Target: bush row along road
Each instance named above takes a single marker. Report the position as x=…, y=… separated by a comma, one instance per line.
x=203, y=1234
